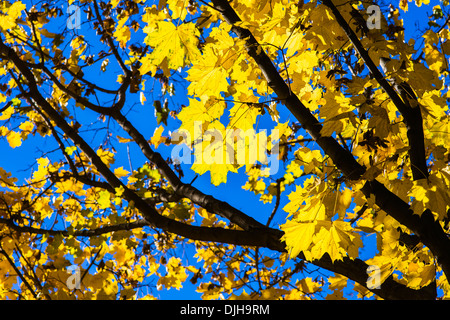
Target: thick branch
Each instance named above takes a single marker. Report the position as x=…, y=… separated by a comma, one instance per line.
x=259, y=234
x=353, y=269
x=208, y=202
x=429, y=231
x=81, y=233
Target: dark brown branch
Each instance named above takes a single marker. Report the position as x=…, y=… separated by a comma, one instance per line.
x=186, y=190
x=430, y=231
x=81, y=233
x=277, y=201
x=411, y=114
x=258, y=234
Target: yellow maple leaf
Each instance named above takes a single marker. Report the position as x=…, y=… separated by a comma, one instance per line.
x=27, y=126
x=198, y=115
x=104, y=199
x=243, y=116
x=218, y=172
x=177, y=45
x=42, y=172
x=341, y=242
x=106, y=156
x=14, y=139
x=6, y=114
x=207, y=75
x=122, y=254
x=121, y=172
x=434, y=104
x=298, y=236
x=305, y=61
x=157, y=139
x=70, y=150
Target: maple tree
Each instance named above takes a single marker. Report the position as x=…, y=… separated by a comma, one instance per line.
x=357, y=127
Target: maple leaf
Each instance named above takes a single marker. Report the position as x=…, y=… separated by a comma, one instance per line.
x=122, y=32
x=177, y=45
x=7, y=113
x=298, y=236
x=8, y=19
x=104, y=199
x=207, y=75
x=157, y=139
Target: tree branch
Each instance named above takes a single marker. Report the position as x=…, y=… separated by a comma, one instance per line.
x=208, y=202
x=411, y=114
x=436, y=240
x=254, y=233
x=81, y=233
x=258, y=234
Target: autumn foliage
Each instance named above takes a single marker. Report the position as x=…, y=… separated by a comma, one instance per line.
x=338, y=127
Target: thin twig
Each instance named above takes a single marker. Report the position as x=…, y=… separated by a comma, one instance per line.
x=18, y=272
x=277, y=203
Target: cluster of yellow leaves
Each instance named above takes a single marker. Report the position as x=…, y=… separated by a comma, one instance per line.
x=175, y=276
x=228, y=96
x=417, y=266
x=312, y=230
x=404, y=3
x=15, y=138
x=10, y=13
x=174, y=45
